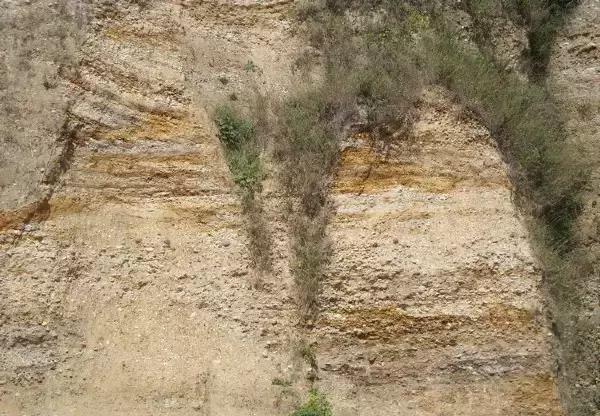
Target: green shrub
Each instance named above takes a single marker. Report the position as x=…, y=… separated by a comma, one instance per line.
x=238, y=137
x=243, y=153
x=234, y=131
x=316, y=405
x=246, y=168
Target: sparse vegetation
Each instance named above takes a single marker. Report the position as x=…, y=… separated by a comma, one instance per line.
x=375, y=57
x=243, y=154
x=366, y=84
x=549, y=174
x=250, y=66
x=307, y=353
x=528, y=127
x=306, y=154
x=316, y=405
x=281, y=382
x=542, y=19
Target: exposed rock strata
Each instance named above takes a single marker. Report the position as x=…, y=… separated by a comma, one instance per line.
x=133, y=296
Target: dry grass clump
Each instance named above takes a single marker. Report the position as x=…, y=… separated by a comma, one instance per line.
x=542, y=20
x=365, y=83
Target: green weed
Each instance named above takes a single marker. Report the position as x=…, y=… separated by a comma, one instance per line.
x=316, y=405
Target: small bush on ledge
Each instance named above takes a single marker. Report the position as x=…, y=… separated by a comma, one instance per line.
x=242, y=151
x=316, y=405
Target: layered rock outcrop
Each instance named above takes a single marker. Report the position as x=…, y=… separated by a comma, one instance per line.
x=130, y=291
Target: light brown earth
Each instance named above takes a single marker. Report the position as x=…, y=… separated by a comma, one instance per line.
x=130, y=291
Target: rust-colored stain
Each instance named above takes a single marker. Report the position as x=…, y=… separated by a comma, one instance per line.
x=388, y=324
x=363, y=170
x=67, y=206
x=202, y=217
x=146, y=165
x=538, y=395
x=523, y=395
x=367, y=168
x=15, y=218
x=400, y=216
x=162, y=127
x=224, y=216
x=206, y=218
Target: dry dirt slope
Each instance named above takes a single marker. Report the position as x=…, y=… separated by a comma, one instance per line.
x=130, y=293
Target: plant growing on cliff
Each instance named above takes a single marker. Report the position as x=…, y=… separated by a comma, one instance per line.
x=243, y=154
x=526, y=123
x=316, y=405
x=367, y=84
x=306, y=153
x=549, y=175
x=238, y=137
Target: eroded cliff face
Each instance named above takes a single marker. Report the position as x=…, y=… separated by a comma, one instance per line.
x=575, y=78
x=36, y=42
x=130, y=291
x=432, y=302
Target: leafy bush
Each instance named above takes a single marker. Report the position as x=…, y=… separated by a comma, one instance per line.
x=234, y=131
x=238, y=137
x=316, y=405
x=246, y=168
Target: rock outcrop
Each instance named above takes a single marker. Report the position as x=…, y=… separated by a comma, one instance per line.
x=129, y=290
